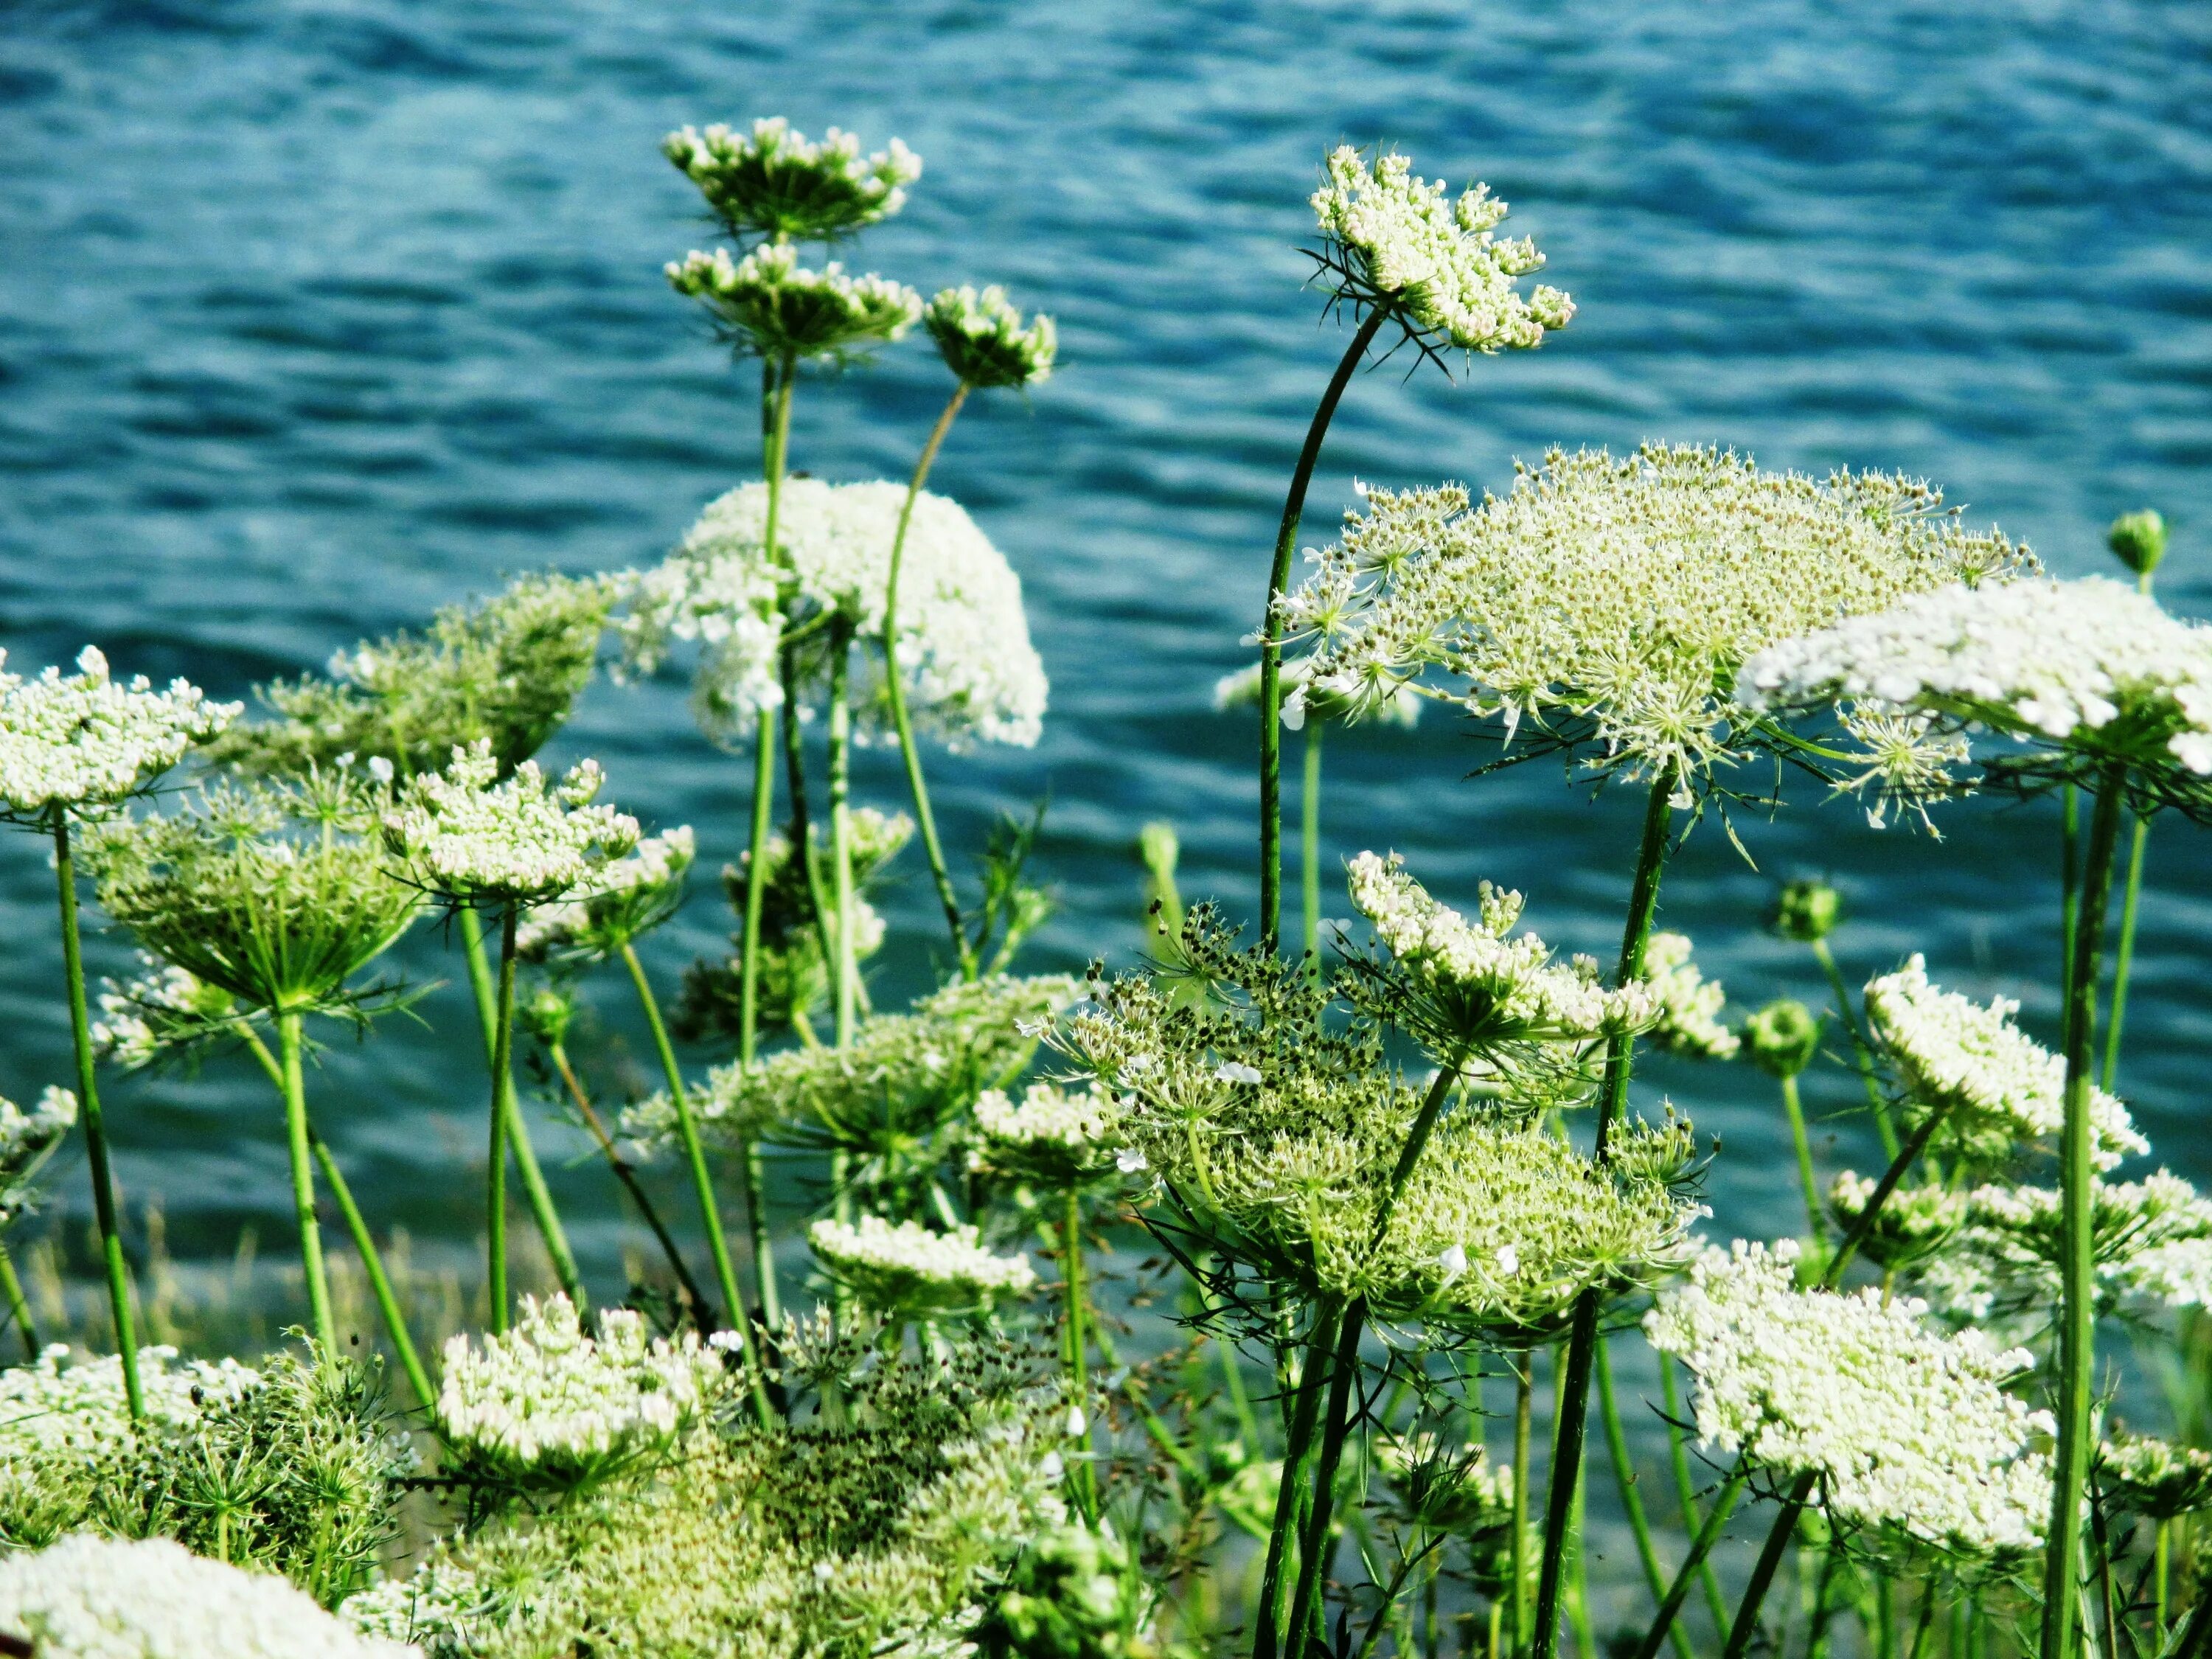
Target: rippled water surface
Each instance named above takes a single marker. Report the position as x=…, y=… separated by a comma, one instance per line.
x=314, y=317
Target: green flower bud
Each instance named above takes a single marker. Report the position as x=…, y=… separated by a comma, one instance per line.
x=2138, y=540
x=1781, y=1037
x=1808, y=910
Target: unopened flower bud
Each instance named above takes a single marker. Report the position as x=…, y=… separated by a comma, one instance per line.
x=2138, y=540
x=1781, y=1037
x=1808, y=910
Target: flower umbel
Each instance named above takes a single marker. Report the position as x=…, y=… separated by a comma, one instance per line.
x=464, y=836
x=909, y=1271
x=770, y=305
x=772, y=183
x=984, y=342
x=80, y=743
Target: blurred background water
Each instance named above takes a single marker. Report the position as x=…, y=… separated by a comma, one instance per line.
x=314, y=317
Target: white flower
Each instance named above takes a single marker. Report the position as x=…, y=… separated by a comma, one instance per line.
x=26, y=1137
x=909, y=1269
x=1689, y=1004
x=1452, y=1261
x=1396, y=706
x=772, y=182
x=1509, y=1261
x=2091, y=664
x=983, y=342
x=1999, y=1086
x=969, y=669
x=548, y=1402
x=1907, y=1429
x=1054, y=1135
x=1076, y=1424
x=1236, y=1070
x=1438, y=258
x=54, y=1401
x=773, y=305
x=622, y=898
x=466, y=835
x=88, y=742
x=107, y=1598
x=1129, y=1161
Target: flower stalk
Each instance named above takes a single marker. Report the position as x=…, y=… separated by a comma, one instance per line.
x=1310, y=844
x=18, y=1306
x=289, y=1043
x=1083, y=1479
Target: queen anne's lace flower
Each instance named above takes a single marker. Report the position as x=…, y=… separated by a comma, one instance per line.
x=2092, y=666
x=105, y=1598
x=1909, y=1431
x=984, y=342
x=470, y=837
x=963, y=646
x=1689, y=1004
x=1997, y=1086
x=2154, y=1478
x=773, y=307
x=1056, y=1135
x=27, y=1138
x=548, y=1404
x=1621, y=596
x=772, y=182
x=84, y=742
x=626, y=897
x=84, y=1404
x=1497, y=988
x=1306, y=701
x=911, y=1272
x=1400, y=240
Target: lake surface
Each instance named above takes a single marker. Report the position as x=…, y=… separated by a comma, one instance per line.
x=314, y=317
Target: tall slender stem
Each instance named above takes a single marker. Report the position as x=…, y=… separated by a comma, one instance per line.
x=1083, y=1480
x=19, y=1311
x=702, y=1185
x=894, y=690
x=2123, y=960
x=380, y=1281
x=515, y=1130
x=1309, y=844
x=802, y=824
x=841, y=827
x=1670, y=1605
x=1271, y=645
x=2078, y=1314
x=1686, y=1495
x=749, y=1154
x=1862, y=1052
x=1299, y=1452
x=2070, y=878
x=1572, y=1405
x=1815, y=1226
x=1524, y=1415
x=288, y=1046
x=496, y=1175
x=1631, y=1502
x=1769, y=1563
x=95, y=1128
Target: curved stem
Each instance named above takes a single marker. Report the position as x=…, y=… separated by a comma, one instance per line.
x=95, y=1128
x=771, y=1308
x=19, y=1310
x=1083, y=1480
x=1631, y=1502
x=894, y=690
x=702, y=1185
x=288, y=1046
x=2077, y=1319
x=1670, y=1605
x=2123, y=960
x=379, y=1282
x=1270, y=647
x=1572, y=1405
x=1310, y=844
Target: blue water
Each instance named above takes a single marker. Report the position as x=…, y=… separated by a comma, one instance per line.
x=313, y=316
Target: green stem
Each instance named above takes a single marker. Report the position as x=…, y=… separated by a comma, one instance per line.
x=1631, y=1502
x=1083, y=1479
x=2077, y=1320
x=495, y=1173
x=1524, y=1412
x=380, y=1281
x=748, y=1157
x=288, y=1045
x=2124, y=960
x=802, y=824
x=1861, y=1050
x=19, y=1310
x=1670, y=1605
x=1310, y=844
x=840, y=826
x=513, y=1130
x=895, y=692
x=1816, y=1228
x=1314, y=1552
x=702, y=1310
x=1270, y=645
x=1769, y=1563
x=2069, y=880
x=1686, y=1495
x=1573, y=1400
x=95, y=1128
x=702, y=1184
x=1298, y=1451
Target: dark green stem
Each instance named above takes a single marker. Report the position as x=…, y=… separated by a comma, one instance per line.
x=1573, y=1402
x=1309, y=844
x=95, y=1128
x=802, y=824
x=1670, y=1605
x=495, y=1174
x=1769, y=1563
x=288, y=1046
x=1299, y=1452
x=1685, y=1497
x=1314, y=1553
x=1631, y=1502
x=2078, y=1316
x=1816, y=1228
x=1270, y=645
x=895, y=692
x=379, y=1282
x=2123, y=960
x=771, y=1310
x=18, y=1306
x=1083, y=1479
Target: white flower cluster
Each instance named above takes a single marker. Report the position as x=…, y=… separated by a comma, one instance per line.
x=1505, y=988
x=645, y=883
x=1909, y=1430
x=1303, y=701
x=1048, y=1116
x=909, y=1269
x=26, y=1137
x=775, y=306
x=1436, y=257
x=110, y=1598
x=57, y=1401
x=124, y=1033
x=1621, y=594
x=2061, y=661
x=547, y=1401
x=964, y=647
x=985, y=343
x=1689, y=1004
x=771, y=181
x=1999, y=1086
x=87, y=741
x=466, y=835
